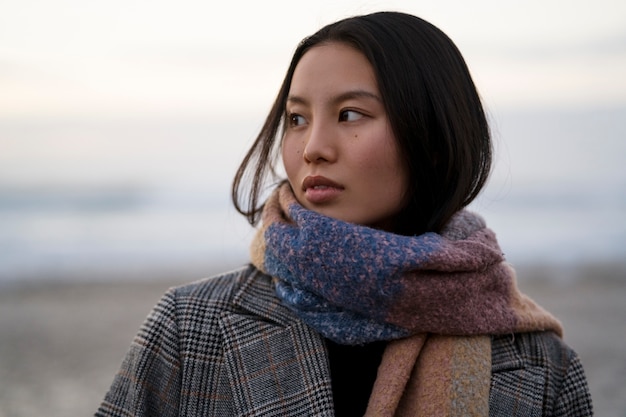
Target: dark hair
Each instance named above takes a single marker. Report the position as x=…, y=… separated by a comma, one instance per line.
x=432, y=105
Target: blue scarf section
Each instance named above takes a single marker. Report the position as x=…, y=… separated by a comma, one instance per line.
x=335, y=323
x=340, y=278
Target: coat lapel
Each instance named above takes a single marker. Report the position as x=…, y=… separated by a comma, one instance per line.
x=265, y=346
x=517, y=387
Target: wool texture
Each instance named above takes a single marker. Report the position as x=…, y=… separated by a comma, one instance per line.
x=355, y=284
x=437, y=297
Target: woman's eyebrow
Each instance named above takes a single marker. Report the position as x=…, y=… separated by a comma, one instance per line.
x=355, y=94
x=348, y=95
x=296, y=99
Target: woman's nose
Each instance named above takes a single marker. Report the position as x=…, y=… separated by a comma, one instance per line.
x=320, y=143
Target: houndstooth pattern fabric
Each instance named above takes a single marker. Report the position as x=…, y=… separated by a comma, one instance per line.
x=225, y=346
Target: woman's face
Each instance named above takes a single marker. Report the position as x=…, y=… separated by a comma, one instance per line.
x=340, y=155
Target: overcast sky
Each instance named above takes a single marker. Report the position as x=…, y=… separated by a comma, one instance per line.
x=139, y=58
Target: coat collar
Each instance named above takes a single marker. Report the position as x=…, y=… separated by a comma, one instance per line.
x=256, y=295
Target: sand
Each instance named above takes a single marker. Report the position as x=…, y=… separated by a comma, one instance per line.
x=61, y=344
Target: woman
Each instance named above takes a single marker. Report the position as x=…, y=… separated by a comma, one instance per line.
x=371, y=290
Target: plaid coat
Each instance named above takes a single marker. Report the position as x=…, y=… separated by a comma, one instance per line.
x=225, y=346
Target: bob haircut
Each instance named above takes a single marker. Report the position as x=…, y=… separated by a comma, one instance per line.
x=433, y=107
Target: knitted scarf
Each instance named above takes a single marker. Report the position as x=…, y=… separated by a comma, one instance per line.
x=437, y=297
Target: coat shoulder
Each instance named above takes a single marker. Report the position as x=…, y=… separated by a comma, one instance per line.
x=220, y=287
x=183, y=328
x=537, y=374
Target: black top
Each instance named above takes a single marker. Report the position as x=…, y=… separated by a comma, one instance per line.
x=353, y=372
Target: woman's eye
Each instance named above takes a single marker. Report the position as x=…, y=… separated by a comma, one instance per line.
x=296, y=120
x=349, y=116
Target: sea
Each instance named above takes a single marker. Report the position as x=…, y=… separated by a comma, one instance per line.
x=139, y=199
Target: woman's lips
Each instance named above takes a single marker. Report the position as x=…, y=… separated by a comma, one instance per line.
x=318, y=189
